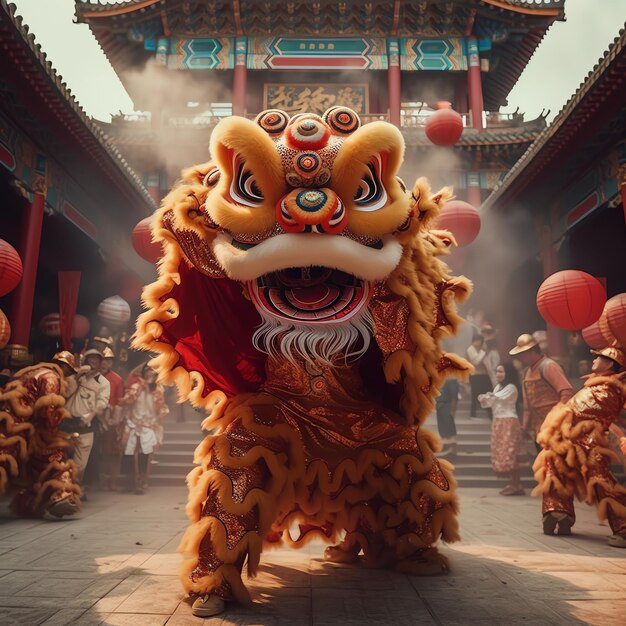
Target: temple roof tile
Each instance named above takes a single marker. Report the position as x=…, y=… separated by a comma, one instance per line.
x=515, y=28
x=72, y=116
x=605, y=81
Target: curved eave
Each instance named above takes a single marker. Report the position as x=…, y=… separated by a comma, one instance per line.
x=20, y=44
x=605, y=79
x=497, y=85
x=546, y=9
x=474, y=140
x=86, y=10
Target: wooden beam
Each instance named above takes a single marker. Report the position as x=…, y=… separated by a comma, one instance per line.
x=119, y=10
x=396, y=18
x=470, y=23
x=525, y=10
x=166, y=27
x=237, y=14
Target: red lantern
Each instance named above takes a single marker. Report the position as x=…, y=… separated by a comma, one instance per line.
x=11, y=269
x=571, y=299
x=130, y=289
x=461, y=219
x=50, y=325
x=593, y=337
x=445, y=126
x=612, y=322
x=114, y=310
x=5, y=330
x=143, y=244
x=80, y=327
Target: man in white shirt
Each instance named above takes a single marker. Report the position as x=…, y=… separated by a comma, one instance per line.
x=90, y=397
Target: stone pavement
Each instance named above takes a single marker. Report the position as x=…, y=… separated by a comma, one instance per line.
x=117, y=566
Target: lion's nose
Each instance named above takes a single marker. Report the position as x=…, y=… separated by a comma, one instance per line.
x=312, y=211
x=307, y=127
x=307, y=134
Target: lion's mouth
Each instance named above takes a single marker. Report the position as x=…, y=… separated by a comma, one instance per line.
x=310, y=295
x=248, y=257
x=241, y=244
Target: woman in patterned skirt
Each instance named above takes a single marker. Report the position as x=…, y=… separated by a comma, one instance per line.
x=506, y=434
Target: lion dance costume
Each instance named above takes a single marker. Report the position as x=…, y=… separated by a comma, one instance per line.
x=33, y=453
x=576, y=458
x=300, y=302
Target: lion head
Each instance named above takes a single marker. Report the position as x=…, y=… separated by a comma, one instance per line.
x=307, y=215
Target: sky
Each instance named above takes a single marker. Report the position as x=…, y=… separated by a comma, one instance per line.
x=560, y=63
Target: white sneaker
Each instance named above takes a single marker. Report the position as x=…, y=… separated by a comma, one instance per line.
x=617, y=541
x=205, y=606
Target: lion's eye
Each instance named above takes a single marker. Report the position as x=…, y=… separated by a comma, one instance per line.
x=212, y=177
x=371, y=194
x=244, y=188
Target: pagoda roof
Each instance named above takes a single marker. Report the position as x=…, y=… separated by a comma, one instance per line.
x=472, y=139
x=21, y=51
x=516, y=27
x=586, y=118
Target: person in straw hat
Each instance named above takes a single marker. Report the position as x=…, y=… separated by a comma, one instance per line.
x=545, y=383
x=576, y=460
x=89, y=399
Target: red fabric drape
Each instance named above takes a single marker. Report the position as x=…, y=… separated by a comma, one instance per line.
x=213, y=332
x=69, y=284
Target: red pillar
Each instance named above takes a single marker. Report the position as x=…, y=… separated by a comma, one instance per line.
x=556, y=345
x=474, y=84
x=393, y=81
x=153, y=187
x=473, y=189
x=21, y=311
x=240, y=75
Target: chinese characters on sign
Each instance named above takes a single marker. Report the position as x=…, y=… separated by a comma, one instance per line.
x=315, y=98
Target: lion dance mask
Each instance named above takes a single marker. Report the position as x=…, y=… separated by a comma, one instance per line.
x=300, y=302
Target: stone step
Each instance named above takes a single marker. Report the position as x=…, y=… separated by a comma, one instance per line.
x=184, y=450
x=166, y=480
x=466, y=481
x=174, y=456
x=190, y=437
x=472, y=462
x=174, y=469
x=462, y=466
x=463, y=427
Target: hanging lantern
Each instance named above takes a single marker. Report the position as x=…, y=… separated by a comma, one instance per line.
x=5, y=330
x=445, y=126
x=571, y=299
x=612, y=322
x=50, y=325
x=593, y=337
x=114, y=310
x=143, y=244
x=11, y=269
x=80, y=327
x=130, y=289
x=461, y=219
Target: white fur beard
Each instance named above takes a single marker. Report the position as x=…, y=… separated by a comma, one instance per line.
x=317, y=343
